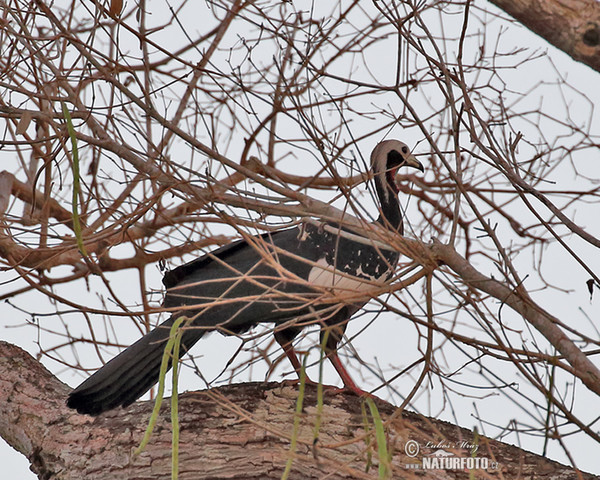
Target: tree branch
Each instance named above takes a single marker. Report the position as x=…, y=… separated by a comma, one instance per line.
x=226, y=430
x=573, y=26
x=521, y=303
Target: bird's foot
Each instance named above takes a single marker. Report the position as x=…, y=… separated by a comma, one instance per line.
x=348, y=389
x=296, y=382
x=332, y=389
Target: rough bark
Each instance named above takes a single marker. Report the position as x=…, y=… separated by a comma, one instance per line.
x=238, y=431
x=570, y=25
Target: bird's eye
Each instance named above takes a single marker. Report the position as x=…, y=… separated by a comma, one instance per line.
x=405, y=150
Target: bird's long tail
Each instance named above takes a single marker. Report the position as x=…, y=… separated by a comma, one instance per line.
x=130, y=374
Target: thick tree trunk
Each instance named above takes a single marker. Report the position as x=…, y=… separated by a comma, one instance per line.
x=239, y=431
x=570, y=25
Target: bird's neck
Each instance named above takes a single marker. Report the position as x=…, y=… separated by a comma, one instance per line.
x=390, y=216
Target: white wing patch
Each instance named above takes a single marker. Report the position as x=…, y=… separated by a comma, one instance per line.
x=324, y=275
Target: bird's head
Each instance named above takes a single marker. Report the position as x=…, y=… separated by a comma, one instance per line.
x=387, y=158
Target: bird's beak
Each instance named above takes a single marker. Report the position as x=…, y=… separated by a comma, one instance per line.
x=411, y=161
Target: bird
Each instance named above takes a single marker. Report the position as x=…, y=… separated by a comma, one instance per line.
x=293, y=277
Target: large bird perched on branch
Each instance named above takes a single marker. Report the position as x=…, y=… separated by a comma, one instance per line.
x=315, y=273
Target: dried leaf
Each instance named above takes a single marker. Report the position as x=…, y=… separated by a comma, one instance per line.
x=115, y=7
x=24, y=122
x=5, y=191
x=590, y=285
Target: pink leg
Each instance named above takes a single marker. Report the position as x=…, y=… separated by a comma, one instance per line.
x=345, y=376
x=290, y=352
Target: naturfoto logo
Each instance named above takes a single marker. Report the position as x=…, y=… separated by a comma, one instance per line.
x=445, y=455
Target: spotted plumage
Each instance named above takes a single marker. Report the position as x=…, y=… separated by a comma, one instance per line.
x=310, y=274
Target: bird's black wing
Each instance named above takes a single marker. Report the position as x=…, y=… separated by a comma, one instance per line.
x=178, y=274
x=230, y=289
x=250, y=281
